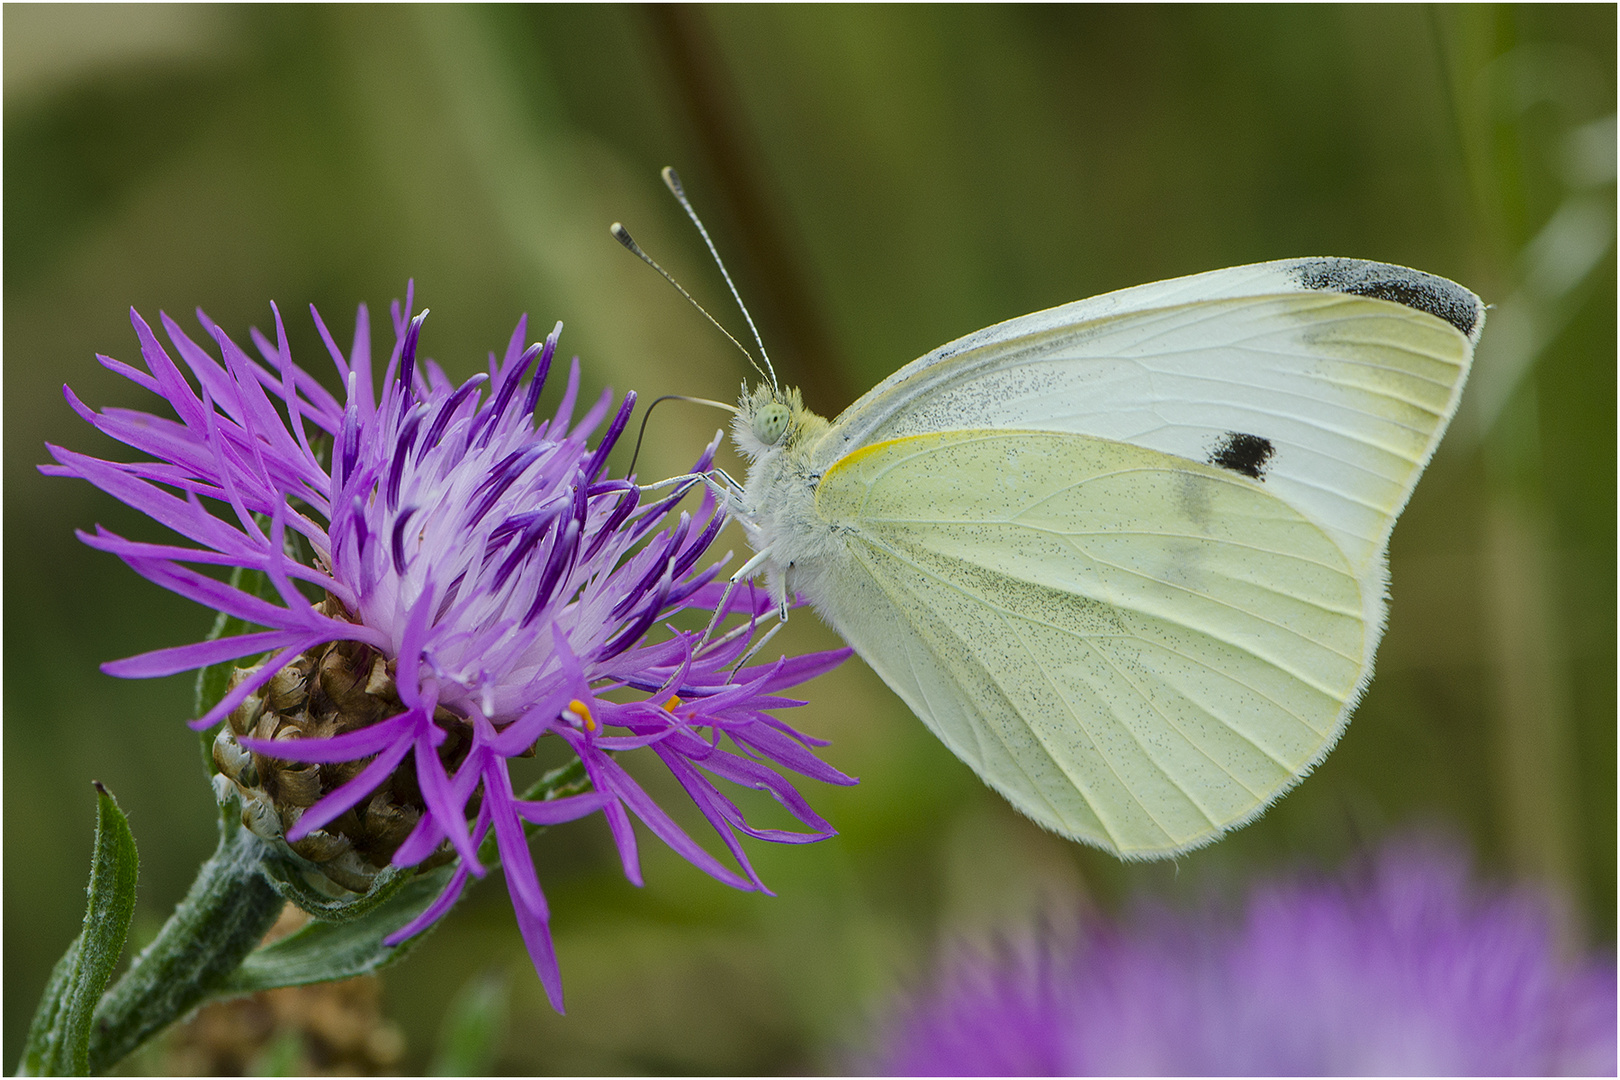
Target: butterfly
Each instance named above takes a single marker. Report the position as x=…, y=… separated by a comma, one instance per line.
x=1126, y=557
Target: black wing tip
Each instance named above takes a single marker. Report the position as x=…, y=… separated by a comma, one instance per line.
x=1427, y=293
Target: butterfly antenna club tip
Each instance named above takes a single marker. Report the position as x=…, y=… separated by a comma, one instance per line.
x=622, y=235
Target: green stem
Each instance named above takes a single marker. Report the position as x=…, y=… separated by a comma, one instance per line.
x=223, y=918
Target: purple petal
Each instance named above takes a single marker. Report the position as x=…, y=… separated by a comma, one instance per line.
x=421, y=842
x=521, y=734
x=797, y=669
x=247, y=687
x=718, y=810
x=565, y=410
x=537, y=938
x=593, y=417
x=747, y=773
x=516, y=861
x=789, y=753
x=745, y=597
x=104, y=540
x=624, y=835
x=222, y=597
x=172, y=661
x=446, y=899
x=434, y=911
x=437, y=794
x=662, y=826
x=133, y=374
x=349, y=746
x=184, y=517
x=557, y=811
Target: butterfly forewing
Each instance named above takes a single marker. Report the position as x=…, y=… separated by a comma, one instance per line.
x=1140, y=651
x=1334, y=401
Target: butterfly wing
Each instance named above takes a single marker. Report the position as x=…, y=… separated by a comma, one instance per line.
x=1330, y=380
x=1137, y=650
x=1167, y=621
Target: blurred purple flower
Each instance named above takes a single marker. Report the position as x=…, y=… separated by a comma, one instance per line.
x=1406, y=969
x=504, y=579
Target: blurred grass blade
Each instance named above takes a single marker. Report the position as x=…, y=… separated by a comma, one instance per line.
x=473, y=1029
x=59, y=1039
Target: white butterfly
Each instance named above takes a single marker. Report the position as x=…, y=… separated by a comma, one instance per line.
x=1125, y=557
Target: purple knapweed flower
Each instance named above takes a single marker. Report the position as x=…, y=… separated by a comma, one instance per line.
x=1405, y=969
x=482, y=585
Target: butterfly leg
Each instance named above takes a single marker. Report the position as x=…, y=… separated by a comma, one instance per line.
x=689, y=479
x=716, y=480
x=744, y=572
x=754, y=649
x=719, y=480
x=724, y=486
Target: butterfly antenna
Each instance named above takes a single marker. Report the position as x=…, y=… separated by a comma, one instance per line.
x=673, y=182
x=636, y=453
x=622, y=235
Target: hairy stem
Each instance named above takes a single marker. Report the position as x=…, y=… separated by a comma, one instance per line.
x=223, y=918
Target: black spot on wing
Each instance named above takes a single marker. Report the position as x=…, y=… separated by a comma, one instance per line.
x=1381, y=281
x=1246, y=454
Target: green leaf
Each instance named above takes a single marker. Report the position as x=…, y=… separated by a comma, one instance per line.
x=323, y=951
x=59, y=1039
x=473, y=1029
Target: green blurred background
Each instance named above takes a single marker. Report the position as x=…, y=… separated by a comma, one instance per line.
x=882, y=180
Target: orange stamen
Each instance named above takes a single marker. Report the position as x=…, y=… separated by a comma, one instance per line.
x=582, y=711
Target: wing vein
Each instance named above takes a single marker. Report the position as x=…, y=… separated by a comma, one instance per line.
x=888, y=586
x=1218, y=672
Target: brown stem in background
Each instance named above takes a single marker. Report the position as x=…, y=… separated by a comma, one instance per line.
x=782, y=294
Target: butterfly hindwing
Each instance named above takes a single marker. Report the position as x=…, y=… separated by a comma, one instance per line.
x=1137, y=650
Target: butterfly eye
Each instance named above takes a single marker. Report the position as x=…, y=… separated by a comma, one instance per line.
x=771, y=423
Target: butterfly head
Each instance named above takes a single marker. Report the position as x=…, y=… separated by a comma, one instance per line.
x=769, y=418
